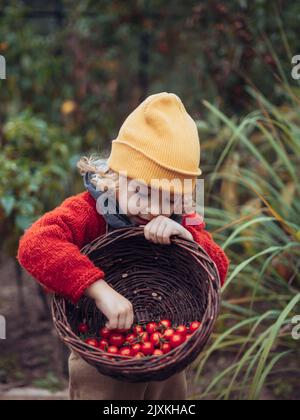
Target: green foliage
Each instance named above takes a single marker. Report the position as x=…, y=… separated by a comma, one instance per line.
x=50, y=382
x=76, y=70
x=36, y=165
x=10, y=369
x=105, y=56
x=259, y=171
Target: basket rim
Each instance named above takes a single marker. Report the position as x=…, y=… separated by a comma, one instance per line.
x=199, y=337
x=138, y=231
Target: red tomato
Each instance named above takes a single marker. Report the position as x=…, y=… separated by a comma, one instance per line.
x=116, y=339
x=103, y=344
x=182, y=329
x=91, y=342
x=139, y=355
x=144, y=337
x=137, y=329
x=83, y=328
x=151, y=327
x=136, y=348
x=126, y=351
x=113, y=350
x=194, y=326
x=155, y=338
x=166, y=347
x=168, y=334
x=130, y=338
x=158, y=352
x=165, y=323
x=176, y=340
x=147, y=348
x=105, y=332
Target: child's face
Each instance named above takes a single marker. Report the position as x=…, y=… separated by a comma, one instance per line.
x=142, y=204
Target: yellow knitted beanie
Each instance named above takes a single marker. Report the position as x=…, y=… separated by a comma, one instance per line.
x=158, y=140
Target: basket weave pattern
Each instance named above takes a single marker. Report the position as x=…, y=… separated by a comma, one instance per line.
x=179, y=282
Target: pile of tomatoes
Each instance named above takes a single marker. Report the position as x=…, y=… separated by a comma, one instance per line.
x=152, y=339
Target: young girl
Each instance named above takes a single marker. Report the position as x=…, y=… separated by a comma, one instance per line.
x=157, y=142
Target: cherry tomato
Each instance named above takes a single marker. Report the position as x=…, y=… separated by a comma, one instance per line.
x=136, y=348
x=130, y=338
x=137, y=329
x=143, y=337
x=158, y=352
x=83, y=328
x=194, y=326
x=116, y=339
x=105, y=332
x=147, y=348
x=151, y=327
x=103, y=344
x=91, y=342
x=176, y=340
x=126, y=351
x=112, y=350
x=166, y=347
x=182, y=329
x=165, y=323
x=168, y=334
x=155, y=338
x=139, y=355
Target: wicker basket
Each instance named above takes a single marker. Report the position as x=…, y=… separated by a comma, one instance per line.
x=179, y=282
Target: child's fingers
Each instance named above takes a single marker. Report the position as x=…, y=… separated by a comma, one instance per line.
x=161, y=236
x=167, y=238
x=129, y=320
x=153, y=234
x=122, y=320
x=168, y=232
x=129, y=317
x=154, y=230
x=148, y=230
x=185, y=234
x=112, y=323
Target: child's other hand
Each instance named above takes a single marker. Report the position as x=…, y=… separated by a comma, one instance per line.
x=117, y=309
x=160, y=229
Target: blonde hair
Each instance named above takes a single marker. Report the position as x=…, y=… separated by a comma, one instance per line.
x=104, y=178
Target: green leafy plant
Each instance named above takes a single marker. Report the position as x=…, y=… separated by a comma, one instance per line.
x=36, y=169
x=259, y=167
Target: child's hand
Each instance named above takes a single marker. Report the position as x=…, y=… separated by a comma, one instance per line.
x=161, y=228
x=117, y=309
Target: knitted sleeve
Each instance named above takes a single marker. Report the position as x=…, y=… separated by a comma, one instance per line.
x=50, y=248
x=194, y=223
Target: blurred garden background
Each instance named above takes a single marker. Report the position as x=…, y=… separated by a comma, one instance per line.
x=74, y=71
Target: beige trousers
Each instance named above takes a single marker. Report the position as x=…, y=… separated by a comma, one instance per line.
x=86, y=383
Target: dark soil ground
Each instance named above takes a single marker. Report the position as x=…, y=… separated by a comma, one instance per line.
x=31, y=353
